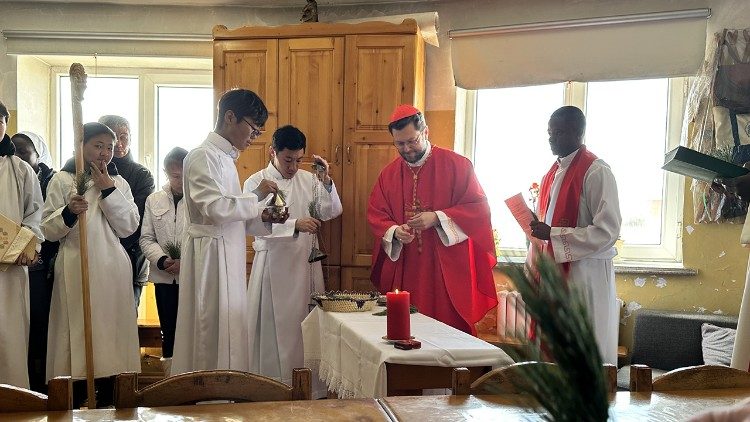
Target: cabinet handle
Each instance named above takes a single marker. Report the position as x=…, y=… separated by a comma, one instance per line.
x=336, y=155
x=349, y=154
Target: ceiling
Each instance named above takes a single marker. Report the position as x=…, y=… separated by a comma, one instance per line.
x=248, y=3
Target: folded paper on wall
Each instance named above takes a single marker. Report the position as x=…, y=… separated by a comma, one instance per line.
x=14, y=241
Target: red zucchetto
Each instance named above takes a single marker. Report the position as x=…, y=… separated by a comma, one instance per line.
x=402, y=111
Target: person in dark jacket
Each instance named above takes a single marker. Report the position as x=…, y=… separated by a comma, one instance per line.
x=32, y=149
x=142, y=185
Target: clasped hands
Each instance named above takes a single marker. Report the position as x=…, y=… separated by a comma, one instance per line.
x=172, y=266
x=405, y=233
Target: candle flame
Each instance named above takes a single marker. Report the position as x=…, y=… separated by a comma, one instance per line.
x=396, y=291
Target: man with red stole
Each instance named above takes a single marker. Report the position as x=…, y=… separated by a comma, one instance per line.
x=431, y=223
x=579, y=217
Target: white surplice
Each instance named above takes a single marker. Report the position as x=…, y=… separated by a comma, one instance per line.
x=282, y=280
x=211, y=330
x=589, y=248
x=114, y=324
x=22, y=203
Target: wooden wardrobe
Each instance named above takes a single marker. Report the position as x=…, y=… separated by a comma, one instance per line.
x=338, y=83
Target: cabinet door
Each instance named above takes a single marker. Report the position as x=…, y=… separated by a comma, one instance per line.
x=382, y=71
x=356, y=279
x=311, y=95
x=250, y=64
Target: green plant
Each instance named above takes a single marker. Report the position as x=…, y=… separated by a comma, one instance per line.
x=172, y=249
x=576, y=389
x=81, y=182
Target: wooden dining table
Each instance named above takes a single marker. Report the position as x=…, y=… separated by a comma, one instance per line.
x=625, y=406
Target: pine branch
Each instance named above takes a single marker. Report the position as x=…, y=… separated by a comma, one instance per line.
x=575, y=389
x=81, y=182
x=172, y=249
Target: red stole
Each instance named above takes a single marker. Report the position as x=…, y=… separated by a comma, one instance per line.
x=452, y=284
x=569, y=197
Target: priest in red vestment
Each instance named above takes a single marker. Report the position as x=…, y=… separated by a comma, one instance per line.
x=431, y=223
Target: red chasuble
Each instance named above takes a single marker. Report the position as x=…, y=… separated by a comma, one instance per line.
x=569, y=197
x=452, y=284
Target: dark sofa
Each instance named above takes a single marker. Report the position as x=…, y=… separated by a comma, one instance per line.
x=666, y=340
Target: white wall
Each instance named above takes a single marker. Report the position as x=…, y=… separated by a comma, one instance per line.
x=454, y=14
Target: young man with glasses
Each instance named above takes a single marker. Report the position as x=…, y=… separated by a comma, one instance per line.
x=431, y=222
x=211, y=331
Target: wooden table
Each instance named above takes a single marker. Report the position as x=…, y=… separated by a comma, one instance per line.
x=673, y=406
x=309, y=410
x=348, y=351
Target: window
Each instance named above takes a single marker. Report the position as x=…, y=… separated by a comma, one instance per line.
x=630, y=125
x=179, y=125
x=165, y=109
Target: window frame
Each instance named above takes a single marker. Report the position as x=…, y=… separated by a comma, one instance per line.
x=668, y=253
x=149, y=79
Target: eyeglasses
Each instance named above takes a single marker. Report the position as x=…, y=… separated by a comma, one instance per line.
x=412, y=143
x=256, y=131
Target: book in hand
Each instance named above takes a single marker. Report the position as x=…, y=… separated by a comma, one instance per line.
x=691, y=163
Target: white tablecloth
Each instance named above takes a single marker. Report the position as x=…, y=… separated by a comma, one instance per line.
x=349, y=354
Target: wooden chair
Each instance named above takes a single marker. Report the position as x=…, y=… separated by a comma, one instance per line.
x=507, y=380
x=198, y=386
x=15, y=399
x=702, y=377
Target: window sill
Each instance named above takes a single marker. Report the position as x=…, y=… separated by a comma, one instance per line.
x=634, y=268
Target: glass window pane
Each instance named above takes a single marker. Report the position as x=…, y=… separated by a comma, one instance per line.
x=627, y=128
x=511, y=149
x=103, y=95
x=180, y=125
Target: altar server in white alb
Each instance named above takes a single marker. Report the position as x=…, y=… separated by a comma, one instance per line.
x=21, y=203
x=111, y=214
x=282, y=279
x=579, y=217
x=211, y=330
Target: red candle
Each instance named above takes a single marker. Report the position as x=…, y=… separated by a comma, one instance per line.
x=397, y=317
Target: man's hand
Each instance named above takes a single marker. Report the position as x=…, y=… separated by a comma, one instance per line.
x=322, y=169
x=101, y=178
x=739, y=185
x=265, y=187
x=77, y=204
x=172, y=266
x=22, y=260
x=404, y=234
x=307, y=225
x=423, y=220
x=540, y=230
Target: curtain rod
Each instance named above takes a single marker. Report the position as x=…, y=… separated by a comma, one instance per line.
x=581, y=23
x=106, y=36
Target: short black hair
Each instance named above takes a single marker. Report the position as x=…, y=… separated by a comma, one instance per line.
x=417, y=120
x=572, y=115
x=93, y=129
x=20, y=137
x=243, y=103
x=288, y=137
x=4, y=112
x=175, y=156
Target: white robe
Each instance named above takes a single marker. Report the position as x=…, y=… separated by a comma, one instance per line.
x=590, y=248
x=741, y=349
x=114, y=324
x=22, y=203
x=282, y=279
x=211, y=328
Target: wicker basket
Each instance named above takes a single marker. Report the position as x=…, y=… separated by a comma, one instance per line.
x=346, y=301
